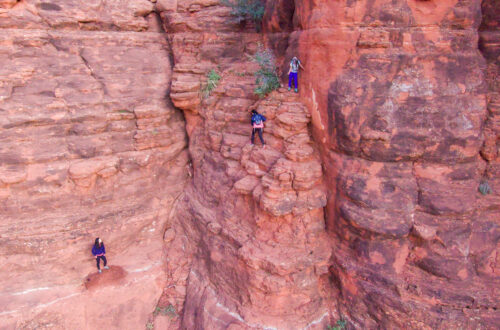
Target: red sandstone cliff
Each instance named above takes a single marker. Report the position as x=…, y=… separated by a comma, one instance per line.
x=364, y=206
x=398, y=95
x=90, y=145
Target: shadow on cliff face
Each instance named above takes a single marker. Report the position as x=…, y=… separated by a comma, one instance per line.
x=112, y=276
x=278, y=23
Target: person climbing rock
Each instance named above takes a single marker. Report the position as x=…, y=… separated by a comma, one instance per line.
x=99, y=251
x=257, y=126
x=293, y=73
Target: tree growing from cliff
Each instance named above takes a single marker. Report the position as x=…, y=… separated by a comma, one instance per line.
x=247, y=9
x=266, y=77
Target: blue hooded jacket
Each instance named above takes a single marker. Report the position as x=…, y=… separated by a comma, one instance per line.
x=257, y=117
x=98, y=250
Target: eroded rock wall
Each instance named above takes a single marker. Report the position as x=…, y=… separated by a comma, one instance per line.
x=90, y=145
x=393, y=131
x=398, y=98
x=249, y=246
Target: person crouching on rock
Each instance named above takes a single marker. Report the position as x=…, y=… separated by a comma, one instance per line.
x=257, y=126
x=293, y=73
x=99, y=251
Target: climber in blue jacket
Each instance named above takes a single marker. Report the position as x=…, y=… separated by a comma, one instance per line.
x=99, y=251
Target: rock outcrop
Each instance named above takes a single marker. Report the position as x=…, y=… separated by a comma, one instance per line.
x=397, y=95
x=251, y=222
x=90, y=145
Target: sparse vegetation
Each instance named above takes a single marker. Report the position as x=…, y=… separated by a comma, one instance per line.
x=266, y=77
x=247, y=9
x=212, y=81
x=339, y=325
x=484, y=188
x=168, y=310
x=150, y=325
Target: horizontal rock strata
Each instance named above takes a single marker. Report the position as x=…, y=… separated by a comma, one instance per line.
x=90, y=146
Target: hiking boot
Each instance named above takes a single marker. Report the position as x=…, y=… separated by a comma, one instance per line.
x=296, y=90
x=106, y=267
x=289, y=88
x=100, y=271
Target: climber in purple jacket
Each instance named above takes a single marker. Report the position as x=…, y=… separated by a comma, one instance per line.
x=98, y=250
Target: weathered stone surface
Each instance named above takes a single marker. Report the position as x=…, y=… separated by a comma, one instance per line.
x=403, y=111
x=242, y=207
x=90, y=146
x=398, y=100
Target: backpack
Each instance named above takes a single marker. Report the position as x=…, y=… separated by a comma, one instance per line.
x=257, y=119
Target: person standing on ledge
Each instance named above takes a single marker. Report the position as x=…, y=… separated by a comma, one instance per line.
x=293, y=73
x=258, y=126
x=99, y=251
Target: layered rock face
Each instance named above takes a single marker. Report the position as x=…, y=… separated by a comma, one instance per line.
x=249, y=245
x=90, y=146
x=397, y=94
x=395, y=129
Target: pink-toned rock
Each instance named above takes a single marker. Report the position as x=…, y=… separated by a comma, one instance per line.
x=78, y=82
x=401, y=134
x=8, y=3
x=246, y=185
x=394, y=129
x=12, y=175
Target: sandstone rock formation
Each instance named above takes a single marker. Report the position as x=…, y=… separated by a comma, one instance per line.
x=364, y=206
x=397, y=95
x=90, y=145
x=252, y=220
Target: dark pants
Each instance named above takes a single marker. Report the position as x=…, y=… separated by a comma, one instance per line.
x=293, y=76
x=259, y=131
x=98, y=260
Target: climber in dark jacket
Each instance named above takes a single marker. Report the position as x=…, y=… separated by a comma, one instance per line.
x=98, y=250
x=257, y=122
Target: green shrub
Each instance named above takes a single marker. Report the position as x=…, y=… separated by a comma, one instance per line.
x=212, y=81
x=266, y=77
x=340, y=325
x=170, y=311
x=484, y=188
x=243, y=9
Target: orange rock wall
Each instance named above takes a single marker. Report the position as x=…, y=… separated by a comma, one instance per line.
x=363, y=206
x=248, y=247
x=90, y=145
x=398, y=97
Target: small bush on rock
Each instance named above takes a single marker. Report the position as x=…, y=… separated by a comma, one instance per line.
x=212, y=81
x=484, y=188
x=340, y=325
x=266, y=77
x=247, y=9
x=169, y=310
